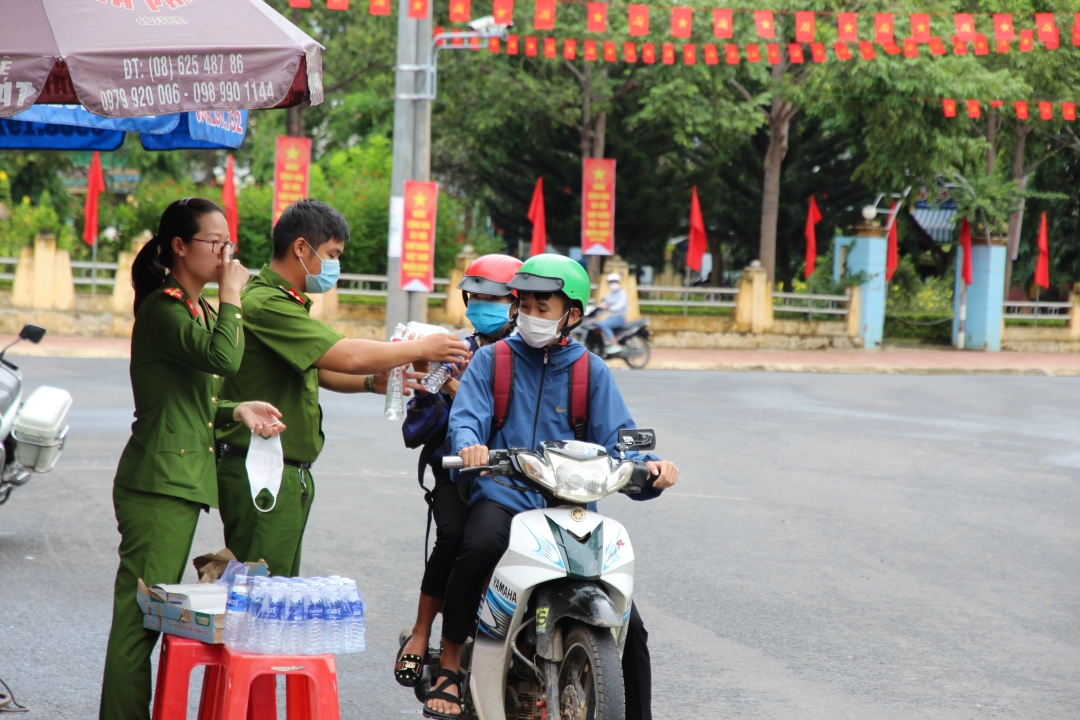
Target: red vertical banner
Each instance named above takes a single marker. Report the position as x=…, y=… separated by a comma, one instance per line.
x=817, y=51
x=763, y=21
x=920, y=27
x=648, y=53
x=847, y=27
x=804, y=27
x=638, y=18
x=598, y=207
x=569, y=49
x=511, y=44
x=95, y=185
x=538, y=218
x=597, y=12
x=1044, y=23
x=544, y=17
x=731, y=54
x=883, y=28
x=292, y=169
x=228, y=202
x=609, y=52
x=530, y=46
x=722, y=24
x=460, y=10
x=965, y=26
x=590, y=51
x=689, y=55
x=503, y=10
x=418, y=9
x=550, y=50
x=629, y=50
x=949, y=106
x=712, y=57
x=681, y=22
x=379, y=7
x=418, y=236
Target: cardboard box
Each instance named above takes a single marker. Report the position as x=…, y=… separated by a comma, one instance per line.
x=161, y=615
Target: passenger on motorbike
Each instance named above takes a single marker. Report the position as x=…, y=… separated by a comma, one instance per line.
x=615, y=304
x=491, y=307
x=553, y=292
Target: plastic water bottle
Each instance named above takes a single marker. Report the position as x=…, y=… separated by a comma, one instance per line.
x=292, y=642
x=315, y=620
x=272, y=618
x=395, y=386
x=236, y=609
x=334, y=633
x=442, y=372
x=355, y=641
x=257, y=587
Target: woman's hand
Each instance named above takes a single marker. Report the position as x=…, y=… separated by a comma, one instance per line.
x=232, y=276
x=260, y=417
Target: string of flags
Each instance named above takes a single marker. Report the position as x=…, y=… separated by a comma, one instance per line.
x=1020, y=108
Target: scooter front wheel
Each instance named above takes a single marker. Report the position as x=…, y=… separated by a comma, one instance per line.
x=590, y=676
x=636, y=351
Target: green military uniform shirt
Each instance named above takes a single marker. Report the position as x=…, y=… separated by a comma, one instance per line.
x=178, y=365
x=282, y=342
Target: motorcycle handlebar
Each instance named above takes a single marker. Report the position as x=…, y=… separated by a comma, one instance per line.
x=452, y=462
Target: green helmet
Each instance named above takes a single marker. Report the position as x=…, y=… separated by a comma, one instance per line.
x=554, y=273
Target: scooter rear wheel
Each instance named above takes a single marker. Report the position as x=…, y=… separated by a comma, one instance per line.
x=636, y=351
x=590, y=676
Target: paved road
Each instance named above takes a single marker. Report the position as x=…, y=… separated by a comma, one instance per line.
x=838, y=547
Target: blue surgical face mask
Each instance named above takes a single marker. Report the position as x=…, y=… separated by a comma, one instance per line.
x=488, y=317
x=327, y=277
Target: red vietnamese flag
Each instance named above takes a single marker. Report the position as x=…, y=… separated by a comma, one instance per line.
x=1003, y=47
x=996, y=103
x=638, y=20
x=753, y=53
x=1068, y=111
x=937, y=48
x=712, y=56
x=689, y=55
x=598, y=207
x=911, y=48
x=1053, y=43
x=538, y=220
x=503, y=11
x=530, y=46
x=795, y=53
x=379, y=7
x=965, y=244
x=418, y=9
x=1027, y=41
x=772, y=54
x=813, y=217
x=550, y=48
x=590, y=50
x=460, y=10
x=817, y=52
x=731, y=54
x=974, y=109
x=1046, y=111
x=648, y=53
x=892, y=255
x=629, y=51
x=436, y=32
x=804, y=27
x=981, y=46
x=511, y=44
x=681, y=22
x=667, y=54
x=569, y=49
x=1003, y=27
x=302, y=4
x=949, y=106
x=597, y=17
x=1042, y=266
x=959, y=46
x=418, y=237
x=292, y=173
x=544, y=15
x=883, y=28
x=891, y=48
x=494, y=46
x=1044, y=23
x=609, y=52
x=847, y=27
x=1076, y=30
x=763, y=21
x=867, y=49
x=1021, y=110
x=95, y=185
x=965, y=26
x=337, y=4
x=843, y=52
x=698, y=241
x=228, y=201
x=722, y=23
x=920, y=28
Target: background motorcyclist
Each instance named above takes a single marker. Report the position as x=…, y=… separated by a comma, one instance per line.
x=553, y=292
x=615, y=304
x=491, y=307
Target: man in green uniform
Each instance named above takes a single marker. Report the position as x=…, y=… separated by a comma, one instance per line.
x=288, y=356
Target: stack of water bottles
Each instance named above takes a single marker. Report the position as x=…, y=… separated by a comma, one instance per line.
x=437, y=376
x=294, y=616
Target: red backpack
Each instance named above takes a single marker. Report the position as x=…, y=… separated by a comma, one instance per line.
x=502, y=389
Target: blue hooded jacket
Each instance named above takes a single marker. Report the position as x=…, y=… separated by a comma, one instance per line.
x=538, y=412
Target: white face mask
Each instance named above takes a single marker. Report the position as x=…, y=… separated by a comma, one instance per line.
x=264, y=466
x=538, y=332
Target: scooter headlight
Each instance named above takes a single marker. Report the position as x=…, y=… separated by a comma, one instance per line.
x=581, y=482
x=536, y=470
x=620, y=477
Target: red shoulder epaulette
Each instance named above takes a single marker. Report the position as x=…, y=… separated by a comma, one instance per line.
x=293, y=294
x=178, y=294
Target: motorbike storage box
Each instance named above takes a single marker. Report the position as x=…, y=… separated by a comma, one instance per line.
x=41, y=428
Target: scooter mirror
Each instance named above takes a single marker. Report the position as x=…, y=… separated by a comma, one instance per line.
x=33, y=333
x=633, y=439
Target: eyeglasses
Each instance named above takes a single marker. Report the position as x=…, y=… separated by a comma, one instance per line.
x=216, y=246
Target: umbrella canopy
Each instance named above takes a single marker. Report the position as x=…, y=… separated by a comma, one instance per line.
x=131, y=58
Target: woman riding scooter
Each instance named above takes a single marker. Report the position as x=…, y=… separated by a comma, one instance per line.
x=491, y=307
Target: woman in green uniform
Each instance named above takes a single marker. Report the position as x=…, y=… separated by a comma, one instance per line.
x=181, y=352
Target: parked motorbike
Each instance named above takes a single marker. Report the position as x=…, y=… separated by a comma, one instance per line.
x=32, y=433
x=552, y=624
x=632, y=339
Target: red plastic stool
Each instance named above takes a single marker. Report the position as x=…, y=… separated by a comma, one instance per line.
x=310, y=684
x=179, y=656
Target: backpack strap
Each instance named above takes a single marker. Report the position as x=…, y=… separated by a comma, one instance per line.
x=502, y=384
x=578, y=399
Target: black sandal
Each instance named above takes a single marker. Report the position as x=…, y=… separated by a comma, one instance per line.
x=409, y=668
x=452, y=679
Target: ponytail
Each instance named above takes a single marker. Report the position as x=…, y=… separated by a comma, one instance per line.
x=151, y=266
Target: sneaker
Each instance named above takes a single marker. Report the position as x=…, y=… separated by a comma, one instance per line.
x=613, y=349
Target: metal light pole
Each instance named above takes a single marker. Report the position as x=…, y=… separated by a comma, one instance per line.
x=414, y=89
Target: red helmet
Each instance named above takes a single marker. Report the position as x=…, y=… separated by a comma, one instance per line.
x=488, y=275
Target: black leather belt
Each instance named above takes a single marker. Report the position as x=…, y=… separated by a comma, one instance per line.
x=242, y=452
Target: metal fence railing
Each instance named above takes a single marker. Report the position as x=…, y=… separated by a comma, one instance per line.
x=13, y=263
x=1036, y=310
x=678, y=296
x=90, y=273
x=365, y=285
x=810, y=305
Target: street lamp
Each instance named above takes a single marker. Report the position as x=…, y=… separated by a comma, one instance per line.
x=480, y=28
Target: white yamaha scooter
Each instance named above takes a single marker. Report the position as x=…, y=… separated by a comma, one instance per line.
x=553, y=622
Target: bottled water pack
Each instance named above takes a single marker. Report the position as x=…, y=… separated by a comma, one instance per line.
x=294, y=616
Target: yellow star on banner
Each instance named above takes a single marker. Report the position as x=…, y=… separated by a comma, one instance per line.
x=545, y=15
x=1004, y=27
x=418, y=6
x=848, y=28
x=419, y=200
x=722, y=24
x=638, y=21
x=805, y=27
x=292, y=153
x=920, y=27
x=500, y=13
x=598, y=175
x=682, y=23
x=966, y=28
x=765, y=24
x=597, y=17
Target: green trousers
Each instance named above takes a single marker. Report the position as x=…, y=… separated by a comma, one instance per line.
x=156, y=532
x=275, y=536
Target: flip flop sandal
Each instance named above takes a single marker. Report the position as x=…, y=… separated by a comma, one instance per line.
x=409, y=668
x=452, y=679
